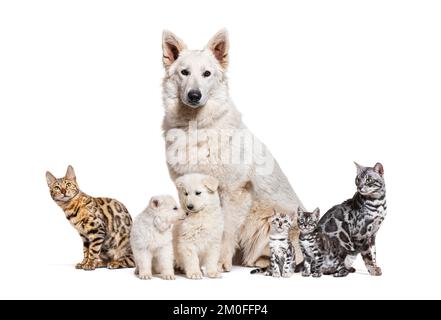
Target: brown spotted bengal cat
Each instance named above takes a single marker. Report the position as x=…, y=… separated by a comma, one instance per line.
x=104, y=224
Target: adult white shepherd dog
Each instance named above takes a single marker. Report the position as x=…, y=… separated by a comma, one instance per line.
x=205, y=134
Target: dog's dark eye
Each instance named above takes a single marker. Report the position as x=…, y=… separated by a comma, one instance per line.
x=206, y=74
x=186, y=194
x=185, y=72
x=175, y=208
x=198, y=193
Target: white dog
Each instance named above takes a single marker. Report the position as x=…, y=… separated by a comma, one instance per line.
x=204, y=133
x=198, y=238
x=151, y=238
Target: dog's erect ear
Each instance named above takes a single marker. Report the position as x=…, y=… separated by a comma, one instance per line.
x=50, y=178
x=70, y=173
x=211, y=183
x=378, y=168
x=220, y=45
x=171, y=48
x=154, y=203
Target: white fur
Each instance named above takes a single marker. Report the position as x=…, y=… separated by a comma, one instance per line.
x=198, y=238
x=247, y=196
x=151, y=238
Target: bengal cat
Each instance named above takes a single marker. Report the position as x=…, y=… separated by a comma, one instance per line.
x=104, y=224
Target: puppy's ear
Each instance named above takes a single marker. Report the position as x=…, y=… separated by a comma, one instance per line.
x=154, y=203
x=172, y=46
x=50, y=178
x=70, y=173
x=220, y=45
x=211, y=183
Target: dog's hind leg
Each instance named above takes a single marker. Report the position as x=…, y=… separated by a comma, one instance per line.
x=235, y=207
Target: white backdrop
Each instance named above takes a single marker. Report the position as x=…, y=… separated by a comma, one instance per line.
x=322, y=83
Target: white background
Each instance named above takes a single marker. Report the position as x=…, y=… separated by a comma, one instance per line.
x=322, y=83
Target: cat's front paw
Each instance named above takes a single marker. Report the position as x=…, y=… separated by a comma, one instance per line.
x=317, y=275
x=375, y=271
x=287, y=275
x=168, y=276
x=305, y=274
x=276, y=275
x=89, y=266
x=79, y=266
x=341, y=274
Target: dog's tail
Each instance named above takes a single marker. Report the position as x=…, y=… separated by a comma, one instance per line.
x=259, y=270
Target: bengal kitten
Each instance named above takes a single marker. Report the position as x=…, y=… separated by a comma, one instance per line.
x=104, y=224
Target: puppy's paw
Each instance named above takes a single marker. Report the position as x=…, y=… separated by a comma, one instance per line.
x=214, y=275
x=194, y=275
x=168, y=277
x=145, y=276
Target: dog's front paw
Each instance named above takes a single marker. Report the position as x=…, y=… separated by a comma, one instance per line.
x=144, y=276
x=194, y=275
x=225, y=266
x=169, y=276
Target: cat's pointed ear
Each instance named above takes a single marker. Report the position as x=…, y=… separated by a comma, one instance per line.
x=360, y=168
x=50, y=178
x=316, y=212
x=300, y=211
x=274, y=212
x=154, y=203
x=378, y=168
x=172, y=47
x=219, y=46
x=70, y=173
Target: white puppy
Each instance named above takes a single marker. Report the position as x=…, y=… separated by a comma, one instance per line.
x=198, y=238
x=151, y=238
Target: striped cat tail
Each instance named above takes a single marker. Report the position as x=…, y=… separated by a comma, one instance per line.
x=260, y=270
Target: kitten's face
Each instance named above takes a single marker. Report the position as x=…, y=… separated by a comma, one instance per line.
x=63, y=189
x=370, y=181
x=308, y=221
x=281, y=222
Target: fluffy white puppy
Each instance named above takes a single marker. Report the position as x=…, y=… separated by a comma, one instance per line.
x=151, y=238
x=198, y=238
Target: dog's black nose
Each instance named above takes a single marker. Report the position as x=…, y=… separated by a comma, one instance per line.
x=194, y=96
x=190, y=206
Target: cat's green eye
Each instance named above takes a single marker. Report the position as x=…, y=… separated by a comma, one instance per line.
x=57, y=188
x=68, y=184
